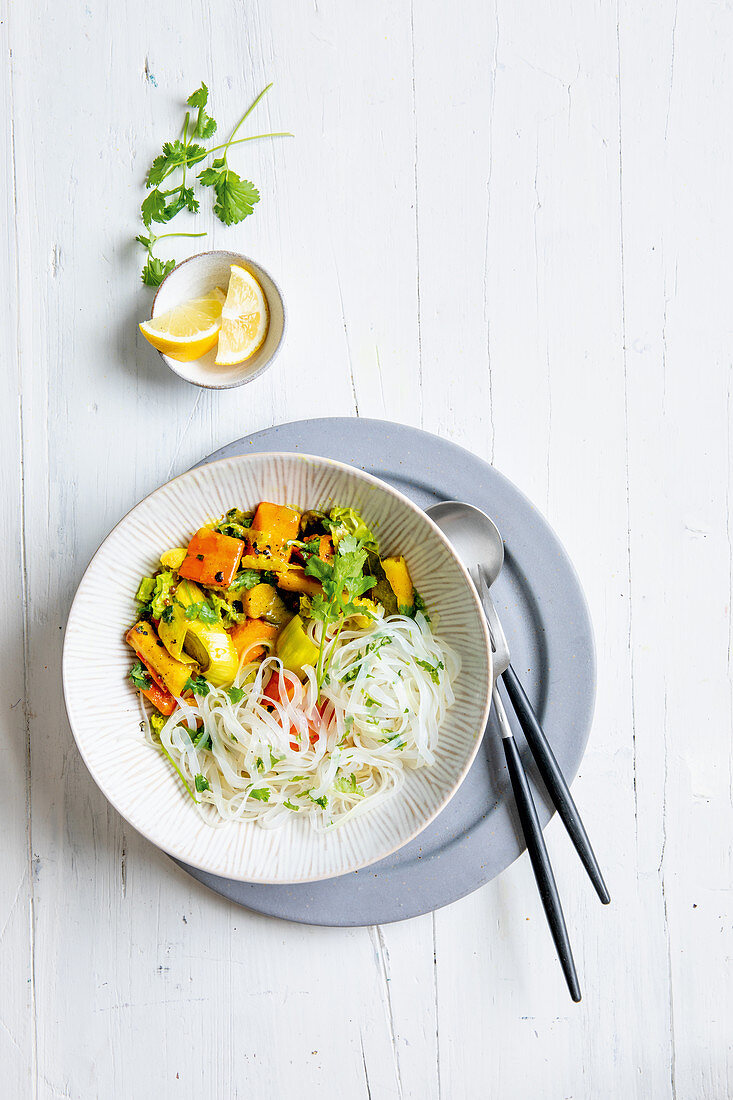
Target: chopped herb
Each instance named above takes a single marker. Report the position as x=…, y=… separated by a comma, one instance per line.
x=203, y=610
x=370, y=702
x=235, y=524
x=434, y=670
x=247, y=578
x=140, y=677
x=274, y=759
x=168, y=613
x=419, y=605
x=262, y=794
x=260, y=764
x=235, y=695
x=198, y=685
x=203, y=739
x=202, y=783
x=322, y=801
x=290, y=805
x=348, y=786
x=343, y=582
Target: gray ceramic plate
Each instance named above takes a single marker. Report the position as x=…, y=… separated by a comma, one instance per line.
x=546, y=620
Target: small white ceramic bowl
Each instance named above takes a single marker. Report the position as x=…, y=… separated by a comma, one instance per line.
x=104, y=708
x=196, y=276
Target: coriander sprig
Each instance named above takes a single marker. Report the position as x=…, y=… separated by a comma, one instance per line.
x=234, y=197
x=343, y=581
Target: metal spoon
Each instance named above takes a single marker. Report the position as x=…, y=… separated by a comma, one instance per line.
x=477, y=541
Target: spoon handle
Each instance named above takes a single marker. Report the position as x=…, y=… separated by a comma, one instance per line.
x=554, y=780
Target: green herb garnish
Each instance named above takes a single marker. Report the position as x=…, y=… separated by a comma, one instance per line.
x=203, y=611
x=202, y=784
x=198, y=685
x=247, y=579
x=262, y=794
x=434, y=670
x=235, y=198
x=140, y=676
x=235, y=695
x=348, y=786
x=343, y=582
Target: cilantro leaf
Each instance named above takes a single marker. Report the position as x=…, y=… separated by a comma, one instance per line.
x=198, y=685
x=348, y=786
x=247, y=578
x=235, y=695
x=322, y=801
x=153, y=207
x=262, y=794
x=203, y=611
x=343, y=581
x=434, y=670
x=290, y=805
x=155, y=270
x=201, y=783
x=173, y=156
x=235, y=197
x=200, y=97
x=140, y=676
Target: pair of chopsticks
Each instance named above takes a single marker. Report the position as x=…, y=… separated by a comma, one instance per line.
x=563, y=802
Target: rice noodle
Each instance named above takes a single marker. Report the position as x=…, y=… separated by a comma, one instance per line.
x=386, y=693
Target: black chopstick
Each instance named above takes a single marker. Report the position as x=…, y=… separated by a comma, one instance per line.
x=541, y=864
x=554, y=780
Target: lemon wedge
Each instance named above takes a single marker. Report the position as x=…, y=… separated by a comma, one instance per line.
x=188, y=331
x=244, y=319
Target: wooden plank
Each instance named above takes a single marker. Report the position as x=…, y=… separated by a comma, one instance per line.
x=16, y=882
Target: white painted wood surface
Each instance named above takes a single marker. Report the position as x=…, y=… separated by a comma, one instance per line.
x=508, y=223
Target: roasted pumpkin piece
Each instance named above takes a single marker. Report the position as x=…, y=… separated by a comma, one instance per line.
x=273, y=528
x=400, y=582
x=252, y=637
x=297, y=580
x=151, y=651
x=263, y=602
x=212, y=559
x=269, y=565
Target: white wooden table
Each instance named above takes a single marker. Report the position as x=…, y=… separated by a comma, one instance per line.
x=507, y=223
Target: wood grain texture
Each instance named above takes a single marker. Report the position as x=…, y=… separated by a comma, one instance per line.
x=505, y=223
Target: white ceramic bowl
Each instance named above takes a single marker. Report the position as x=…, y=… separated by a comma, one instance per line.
x=196, y=276
x=103, y=707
